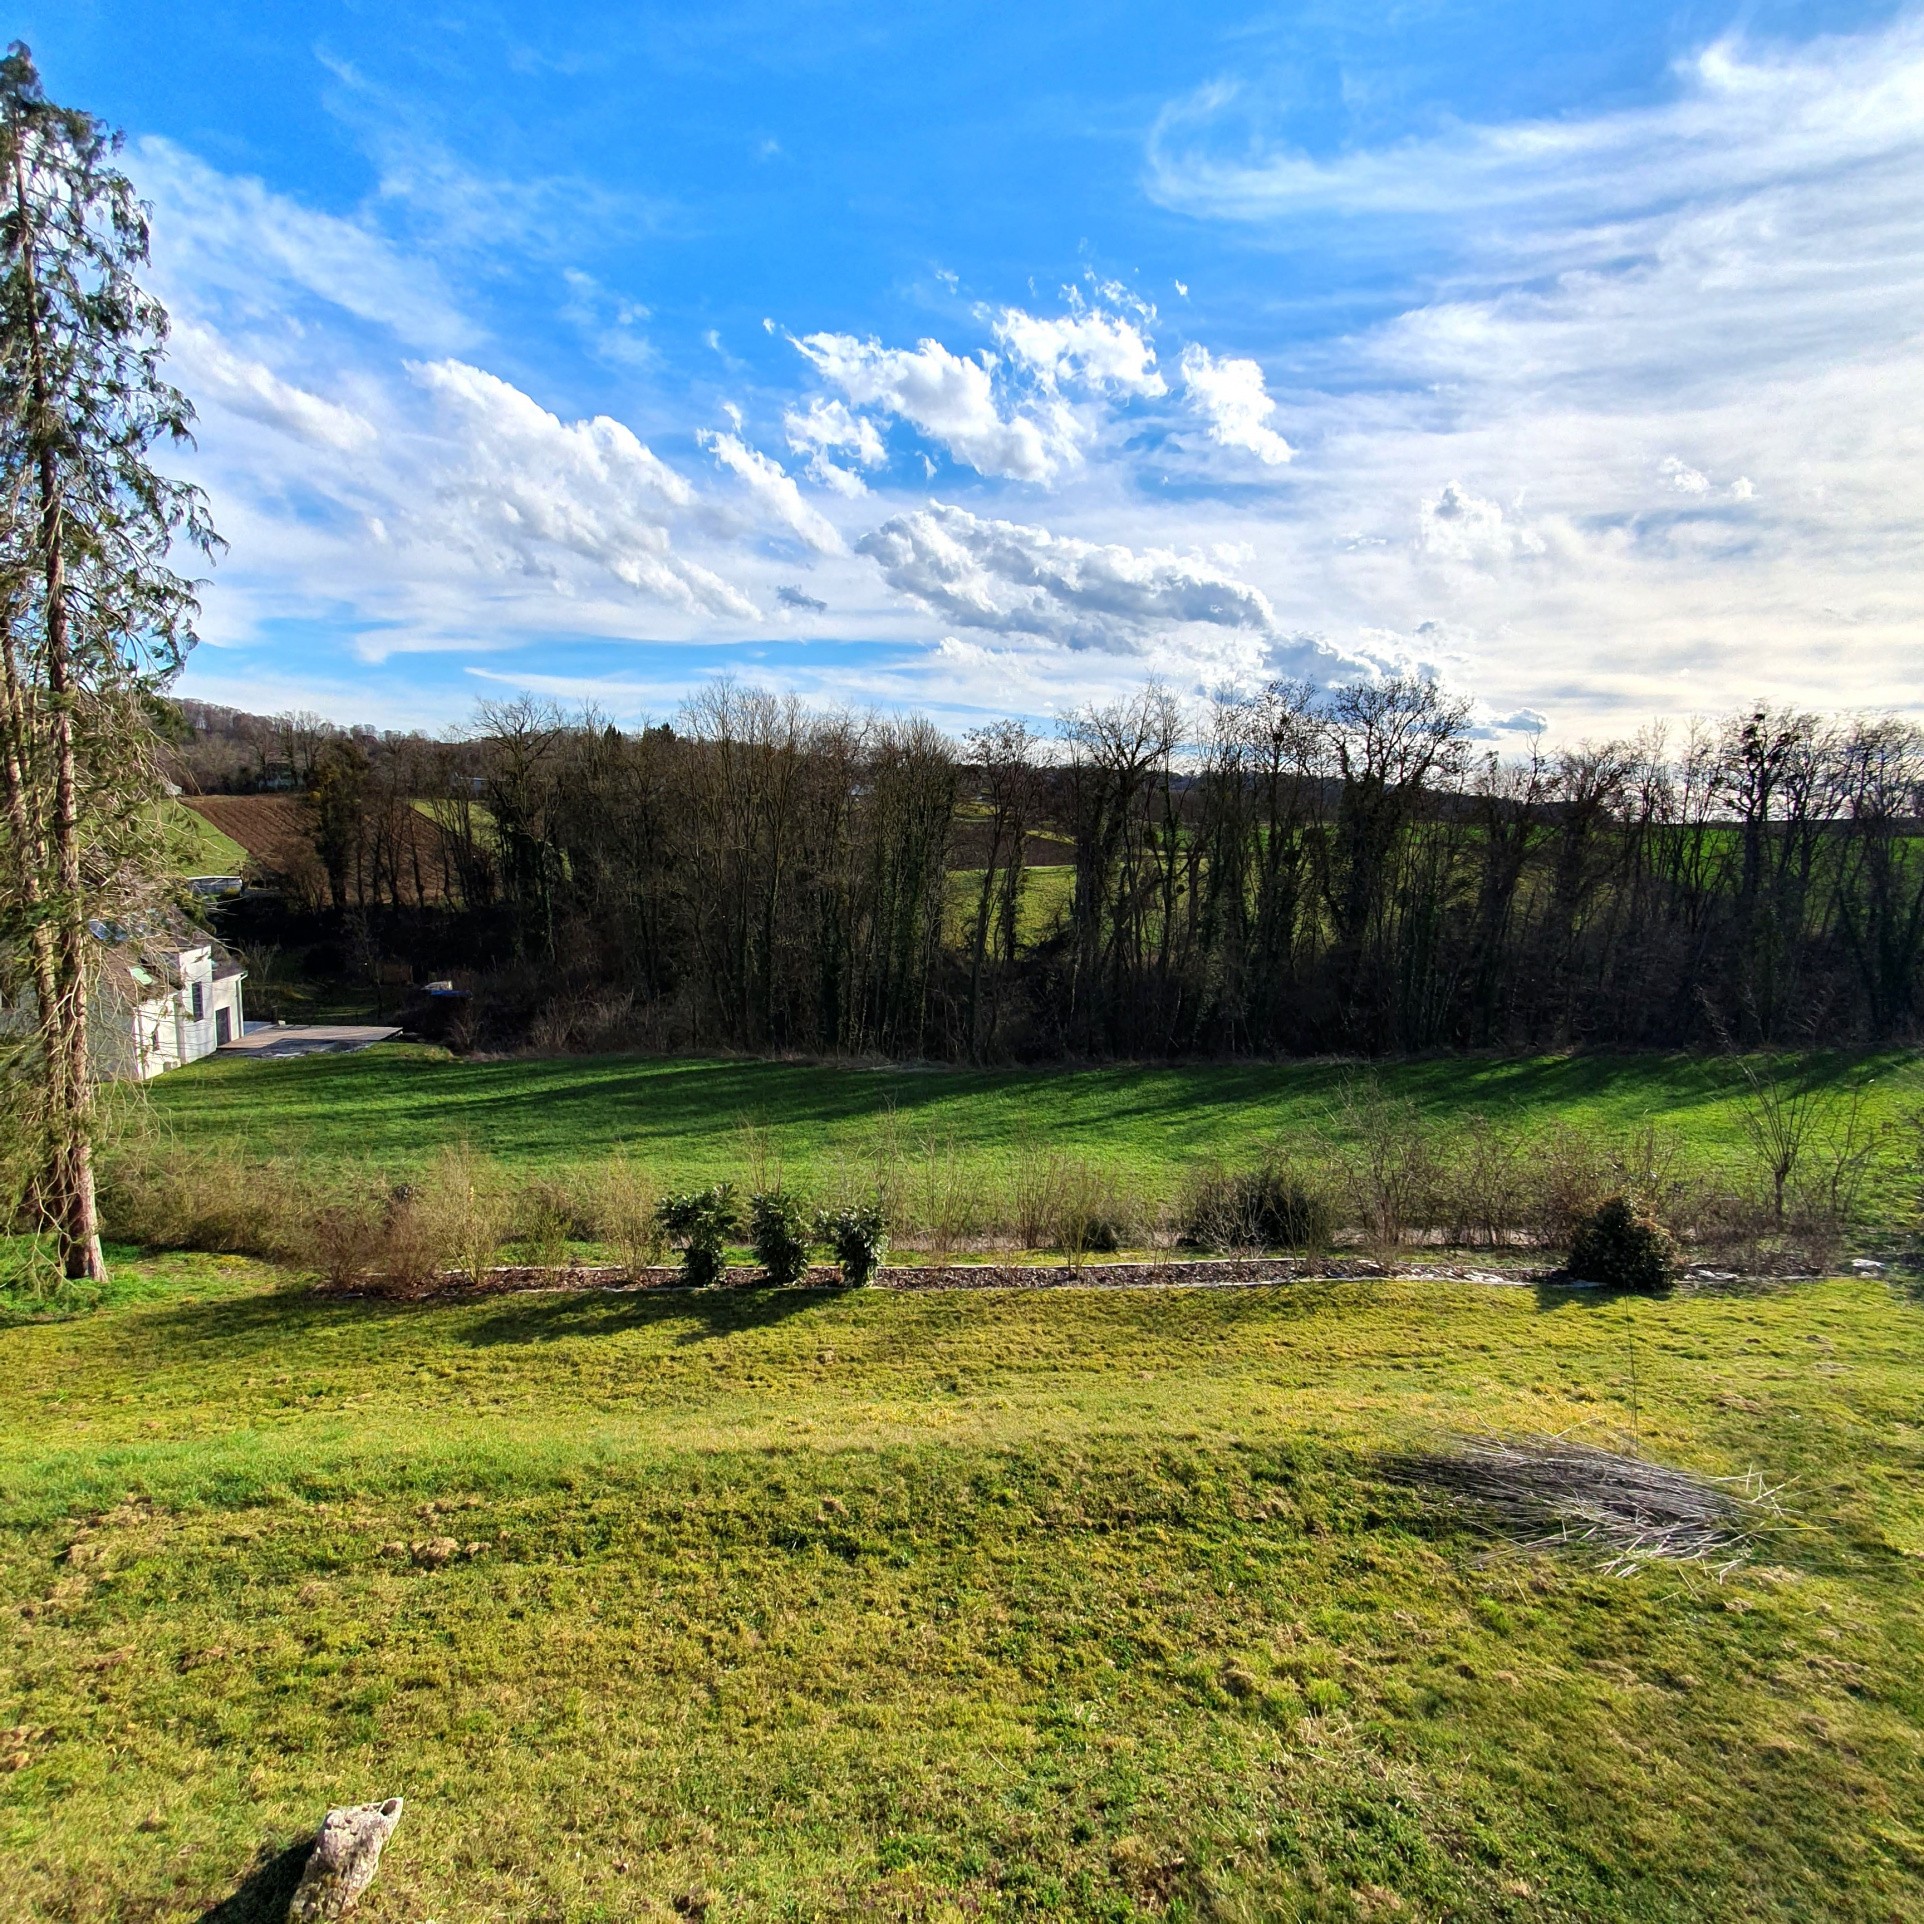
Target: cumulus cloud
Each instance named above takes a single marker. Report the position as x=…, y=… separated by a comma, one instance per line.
x=1684, y=478
x=1017, y=579
x=774, y=488
x=1460, y=526
x=522, y=489
x=1103, y=351
x=828, y=427
x=804, y=604
x=1231, y=398
x=950, y=400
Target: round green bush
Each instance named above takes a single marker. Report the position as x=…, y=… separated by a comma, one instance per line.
x=779, y=1232
x=859, y=1239
x=1618, y=1246
x=701, y=1220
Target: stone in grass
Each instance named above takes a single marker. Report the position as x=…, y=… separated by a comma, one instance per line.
x=343, y=1862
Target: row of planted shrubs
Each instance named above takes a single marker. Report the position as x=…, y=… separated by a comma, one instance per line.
x=1384, y=1181
x=463, y=1215
x=782, y=1232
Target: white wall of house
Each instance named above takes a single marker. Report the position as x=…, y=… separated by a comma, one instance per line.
x=197, y=1010
x=152, y=1015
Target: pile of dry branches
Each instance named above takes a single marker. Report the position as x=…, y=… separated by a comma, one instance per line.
x=1546, y=1493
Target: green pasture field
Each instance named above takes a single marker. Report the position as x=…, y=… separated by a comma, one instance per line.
x=1048, y=894
x=687, y=1118
x=201, y=848
x=1067, y=1604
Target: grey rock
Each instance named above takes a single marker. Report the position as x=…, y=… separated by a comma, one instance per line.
x=345, y=1857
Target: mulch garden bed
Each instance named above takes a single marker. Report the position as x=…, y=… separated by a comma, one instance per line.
x=1225, y=1272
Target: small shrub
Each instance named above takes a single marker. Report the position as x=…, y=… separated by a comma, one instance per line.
x=858, y=1237
x=456, y=1217
x=1035, y=1199
x=1483, y=1185
x=1622, y=1248
x=1268, y=1207
x=1570, y=1176
x=347, y=1239
x=626, y=1202
x=701, y=1220
x=1092, y=1215
x=779, y=1232
x=944, y=1198
x=1389, y=1162
x=549, y=1214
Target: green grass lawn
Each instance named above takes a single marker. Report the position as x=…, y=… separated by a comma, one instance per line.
x=395, y=1104
x=203, y=849
x=1071, y=1605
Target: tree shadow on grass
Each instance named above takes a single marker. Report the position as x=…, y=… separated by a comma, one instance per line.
x=703, y=1313
x=270, y=1319
x=1559, y=1292
x=268, y=1888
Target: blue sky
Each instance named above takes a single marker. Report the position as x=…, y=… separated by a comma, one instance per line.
x=990, y=359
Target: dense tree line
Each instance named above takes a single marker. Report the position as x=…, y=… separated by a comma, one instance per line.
x=1291, y=871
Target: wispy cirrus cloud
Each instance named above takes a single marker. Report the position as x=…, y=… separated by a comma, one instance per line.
x=1744, y=116
x=228, y=244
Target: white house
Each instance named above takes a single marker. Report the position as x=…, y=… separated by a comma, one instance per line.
x=164, y=1006
x=170, y=996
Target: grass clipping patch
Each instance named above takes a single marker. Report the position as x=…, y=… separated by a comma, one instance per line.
x=1544, y=1493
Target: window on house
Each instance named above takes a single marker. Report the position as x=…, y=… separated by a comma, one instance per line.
x=199, y=1001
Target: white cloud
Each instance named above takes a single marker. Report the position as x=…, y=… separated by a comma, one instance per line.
x=1743, y=118
x=248, y=387
x=1231, y=398
x=1682, y=477
x=231, y=244
x=1462, y=527
x=826, y=427
x=1020, y=580
x=1102, y=350
x=774, y=487
x=950, y=400
x=521, y=489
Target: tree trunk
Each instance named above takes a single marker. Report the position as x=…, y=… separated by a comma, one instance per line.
x=63, y=1017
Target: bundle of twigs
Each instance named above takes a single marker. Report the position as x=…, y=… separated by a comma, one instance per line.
x=1547, y=1493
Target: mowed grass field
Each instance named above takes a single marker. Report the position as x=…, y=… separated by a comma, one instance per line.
x=688, y=1119
x=1070, y=1605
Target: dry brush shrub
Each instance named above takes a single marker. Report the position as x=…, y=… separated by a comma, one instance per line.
x=1483, y=1185
x=404, y=1238
x=552, y=1211
x=1270, y=1206
x=944, y=1207
x=1093, y=1213
x=626, y=1201
x=1570, y=1175
x=171, y=1198
x=1388, y=1160
x=1072, y=1206
x=458, y=1216
x=1035, y=1192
